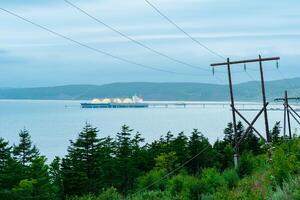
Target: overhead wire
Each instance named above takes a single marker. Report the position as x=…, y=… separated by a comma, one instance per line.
x=174, y=170
x=132, y=39
x=188, y=35
x=95, y=49
x=288, y=83
x=183, y=31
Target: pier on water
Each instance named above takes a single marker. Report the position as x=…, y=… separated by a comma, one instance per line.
x=247, y=106
x=239, y=105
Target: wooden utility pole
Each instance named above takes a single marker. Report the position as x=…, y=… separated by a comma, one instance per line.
x=264, y=99
x=237, y=140
x=288, y=111
x=236, y=155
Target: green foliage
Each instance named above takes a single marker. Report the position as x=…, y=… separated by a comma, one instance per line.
x=231, y=177
x=24, y=152
x=5, y=154
x=286, y=163
x=196, y=144
x=56, y=179
x=247, y=164
x=290, y=189
x=147, y=180
x=113, y=168
x=224, y=155
x=24, y=190
x=81, y=167
x=211, y=180
x=151, y=195
x=185, y=187
x=108, y=194
x=276, y=132
x=166, y=161
x=127, y=166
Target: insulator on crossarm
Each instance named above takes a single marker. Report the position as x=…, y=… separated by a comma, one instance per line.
x=245, y=67
x=277, y=64
x=213, y=71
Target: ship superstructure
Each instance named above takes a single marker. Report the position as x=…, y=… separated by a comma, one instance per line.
x=133, y=102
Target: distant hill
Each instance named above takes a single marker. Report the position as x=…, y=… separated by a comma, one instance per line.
x=248, y=91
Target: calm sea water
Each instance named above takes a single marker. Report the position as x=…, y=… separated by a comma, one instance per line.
x=53, y=123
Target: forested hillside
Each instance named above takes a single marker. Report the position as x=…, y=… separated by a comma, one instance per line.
x=172, y=167
x=249, y=91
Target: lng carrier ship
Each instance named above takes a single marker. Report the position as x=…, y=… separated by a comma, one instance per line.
x=133, y=102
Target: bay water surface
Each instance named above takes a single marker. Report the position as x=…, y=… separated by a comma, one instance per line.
x=52, y=124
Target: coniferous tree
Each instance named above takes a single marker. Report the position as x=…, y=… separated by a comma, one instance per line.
x=55, y=175
x=224, y=154
x=248, y=142
x=139, y=154
x=5, y=154
x=179, y=146
x=126, y=167
x=229, y=133
x=275, y=133
x=24, y=155
x=251, y=143
x=25, y=152
x=81, y=169
x=106, y=161
x=197, y=144
x=26, y=174
x=5, y=161
x=39, y=173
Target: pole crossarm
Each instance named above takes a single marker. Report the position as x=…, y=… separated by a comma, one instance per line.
x=288, y=111
x=245, y=61
x=234, y=111
x=290, y=98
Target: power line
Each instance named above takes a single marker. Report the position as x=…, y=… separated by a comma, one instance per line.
x=183, y=31
x=174, y=170
x=187, y=34
x=132, y=39
x=288, y=83
x=95, y=49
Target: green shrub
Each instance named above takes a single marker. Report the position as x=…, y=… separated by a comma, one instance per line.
x=284, y=164
x=85, y=197
x=151, y=195
x=184, y=187
x=211, y=180
x=289, y=190
x=231, y=177
x=256, y=186
x=108, y=194
x=150, y=178
x=247, y=164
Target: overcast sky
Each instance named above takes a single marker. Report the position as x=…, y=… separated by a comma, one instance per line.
x=238, y=29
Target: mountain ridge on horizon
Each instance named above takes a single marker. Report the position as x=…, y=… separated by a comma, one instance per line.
x=189, y=91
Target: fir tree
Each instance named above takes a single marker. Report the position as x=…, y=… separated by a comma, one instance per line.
x=198, y=143
x=179, y=146
x=24, y=152
x=276, y=132
x=55, y=175
x=5, y=154
x=125, y=168
x=81, y=167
